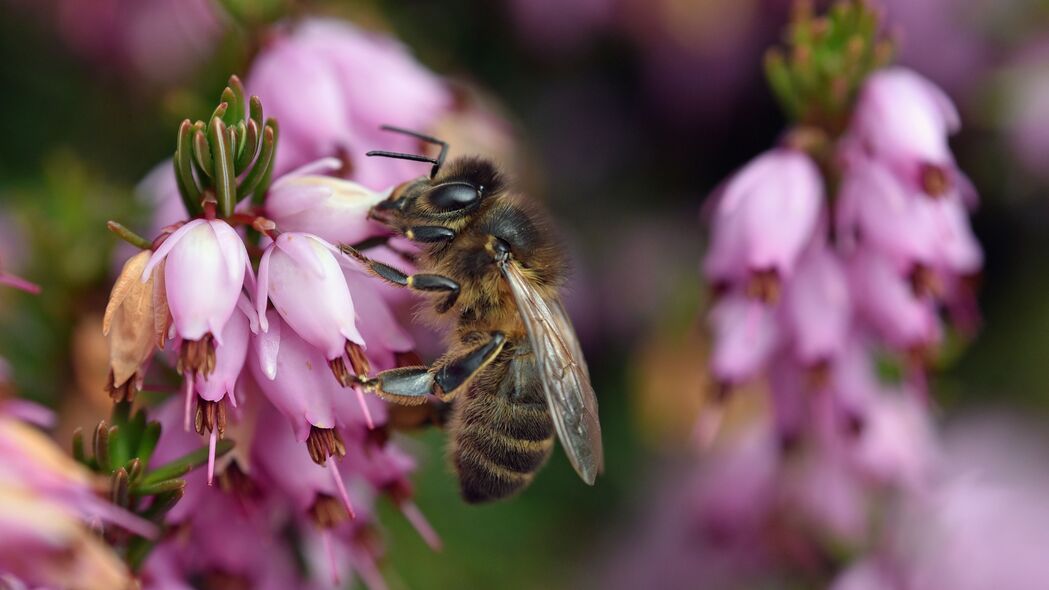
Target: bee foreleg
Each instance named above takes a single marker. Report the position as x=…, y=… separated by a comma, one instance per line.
x=411, y=385
x=417, y=282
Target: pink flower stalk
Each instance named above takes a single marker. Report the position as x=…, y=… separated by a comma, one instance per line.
x=764, y=217
x=205, y=264
x=331, y=85
x=903, y=119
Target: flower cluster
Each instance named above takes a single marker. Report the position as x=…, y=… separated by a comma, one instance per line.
x=249, y=300
x=839, y=261
x=814, y=287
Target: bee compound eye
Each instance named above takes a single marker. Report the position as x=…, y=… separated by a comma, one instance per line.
x=453, y=196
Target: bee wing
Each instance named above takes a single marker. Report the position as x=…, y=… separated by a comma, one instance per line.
x=563, y=373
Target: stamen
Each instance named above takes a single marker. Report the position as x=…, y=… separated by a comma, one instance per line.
x=341, y=487
x=187, y=385
x=197, y=356
x=764, y=285
x=124, y=392
x=935, y=181
x=359, y=362
x=342, y=374
x=364, y=408
x=323, y=443
x=415, y=516
x=211, y=456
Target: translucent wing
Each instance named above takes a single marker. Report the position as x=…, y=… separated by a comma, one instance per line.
x=563, y=372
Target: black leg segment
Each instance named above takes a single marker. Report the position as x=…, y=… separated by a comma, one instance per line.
x=429, y=234
x=454, y=373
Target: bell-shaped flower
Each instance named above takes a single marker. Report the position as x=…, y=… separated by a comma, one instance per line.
x=205, y=262
x=817, y=307
x=903, y=119
x=378, y=325
x=134, y=323
x=314, y=488
x=764, y=217
x=301, y=275
x=333, y=209
x=887, y=302
x=897, y=445
x=745, y=336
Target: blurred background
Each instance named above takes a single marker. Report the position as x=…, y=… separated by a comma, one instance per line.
x=621, y=115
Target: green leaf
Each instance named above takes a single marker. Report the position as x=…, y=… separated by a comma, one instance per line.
x=101, y=447
x=262, y=165
x=183, y=160
x=119, y=490
x=225, y=178
x=249, y=147
x=148, y=442
x=160, y=487
x=184, y=464
x=238, y=102
x=202, y=154
x=78, y=447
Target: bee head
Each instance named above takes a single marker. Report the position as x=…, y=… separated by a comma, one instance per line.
x=452, y=192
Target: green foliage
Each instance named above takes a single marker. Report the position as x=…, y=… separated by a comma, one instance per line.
x=816, y=76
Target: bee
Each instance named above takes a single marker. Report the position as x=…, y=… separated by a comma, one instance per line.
x=514, y=371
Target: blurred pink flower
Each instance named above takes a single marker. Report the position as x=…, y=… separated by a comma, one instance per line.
x=745, y=336
x=904, y=120
x=764, y=217
x=331, y=85
x=888, y=304
x=818, y=307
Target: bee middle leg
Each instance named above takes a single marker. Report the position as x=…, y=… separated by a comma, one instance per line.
x=445, y=378
x=426, y=282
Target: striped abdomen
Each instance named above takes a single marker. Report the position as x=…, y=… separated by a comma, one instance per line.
x=502, y=430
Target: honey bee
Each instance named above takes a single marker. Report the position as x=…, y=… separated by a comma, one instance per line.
x=514, y=371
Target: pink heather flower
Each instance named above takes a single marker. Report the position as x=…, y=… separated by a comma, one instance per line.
x=764, y=217
x=378, y=325
x=205, y=263
x=331, y=85
x=745, y=335
x=903, y=119
x=301, y=275
x=229, y=359
x=332, y=209
x=817, y=307
x=897, y=444
x=295, y=378
x=888, y=304
x=822, y=490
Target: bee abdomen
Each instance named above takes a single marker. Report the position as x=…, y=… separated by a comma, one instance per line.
x=498, y=455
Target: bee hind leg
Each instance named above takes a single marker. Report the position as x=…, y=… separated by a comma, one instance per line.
x=412, y=385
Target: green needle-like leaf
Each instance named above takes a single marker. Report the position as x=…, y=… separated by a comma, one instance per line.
x=262, y=165
x=78, y=446
x=148, y=442
x=101, y=447
x=255, y=111
x=202, y=154
x=160, y=487
x=119, y=492
x=225, y=177
x=250, y=146
x=237, y=104
x=230, y=116
x=184, y=464
x=183, y=160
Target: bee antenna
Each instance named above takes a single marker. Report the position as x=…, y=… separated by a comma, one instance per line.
x=437, y=162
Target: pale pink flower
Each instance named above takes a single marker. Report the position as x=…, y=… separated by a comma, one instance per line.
x=745, y=335
x=764, y=217
x=302, y=276
x=817, y=307
x=203, y=274
x=887, y=303
x=904, y=120
x=333, y=209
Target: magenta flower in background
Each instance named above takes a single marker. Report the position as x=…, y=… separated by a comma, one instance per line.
x=332, y=85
